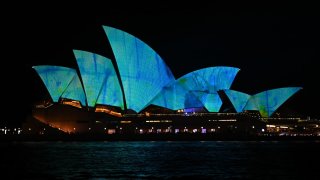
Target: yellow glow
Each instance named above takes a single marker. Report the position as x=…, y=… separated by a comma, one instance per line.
x=166, y=121
x=72, y=103
x=125, y=122
x=153, y=121
x=158, y=121
x=272, y=126
x=108, y=111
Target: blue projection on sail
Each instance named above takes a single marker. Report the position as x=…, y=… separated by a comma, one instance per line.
x=142, y=71
x=99, y=78
x=267, y=102
x=205, y=83
x=238, y=99
x=75, y=91
x=175, y=97
x=61, y=82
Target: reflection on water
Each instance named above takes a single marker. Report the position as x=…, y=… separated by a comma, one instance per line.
x=161, y=159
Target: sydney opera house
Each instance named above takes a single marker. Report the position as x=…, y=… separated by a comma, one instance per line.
x=139, y=94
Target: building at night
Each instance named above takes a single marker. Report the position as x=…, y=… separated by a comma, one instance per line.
x=143, y=96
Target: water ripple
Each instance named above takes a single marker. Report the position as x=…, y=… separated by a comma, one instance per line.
x=160, y=160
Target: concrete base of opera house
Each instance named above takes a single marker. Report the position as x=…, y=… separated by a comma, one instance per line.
x=67, y=123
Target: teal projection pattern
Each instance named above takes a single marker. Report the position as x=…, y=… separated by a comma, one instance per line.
x=175, y=97
x=238, y=99
x=75, y=91
x=211, y=101
x=211, y=79
x=205, y=83
x=142, y=71
x=99, y=79
x=147, y=80
x=266, y=102
x=61, y=81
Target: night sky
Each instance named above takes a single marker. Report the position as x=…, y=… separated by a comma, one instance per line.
x=274, y=45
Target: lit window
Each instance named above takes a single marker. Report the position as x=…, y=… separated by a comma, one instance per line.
x=203, y=131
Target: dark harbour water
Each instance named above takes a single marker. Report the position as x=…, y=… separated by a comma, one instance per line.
x=161, y=159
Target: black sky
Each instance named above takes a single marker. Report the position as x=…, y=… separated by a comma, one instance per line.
x=274, y=45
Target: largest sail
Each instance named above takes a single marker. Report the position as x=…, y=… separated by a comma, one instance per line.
x=142, y=71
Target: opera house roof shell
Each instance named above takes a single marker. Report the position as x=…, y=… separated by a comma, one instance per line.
x=266, y=102
x=144, y=79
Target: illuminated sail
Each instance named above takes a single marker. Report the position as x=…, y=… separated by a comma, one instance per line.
x=55, y=78
x=175, y=97
x=99, y=79
x=75, y=91
x=205, y=83
x=267, y=102
x=210, y=79
x=211, y=101
x=142, y=71
x=238, y=99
